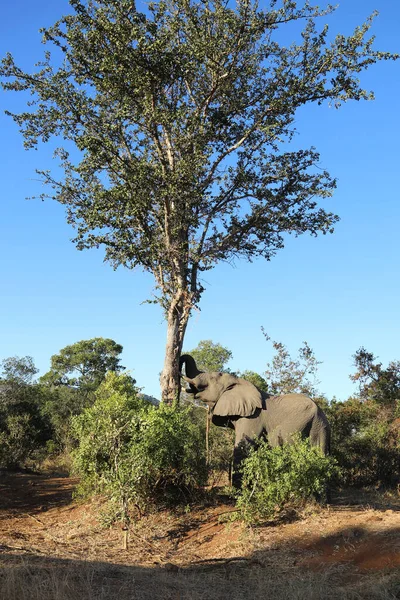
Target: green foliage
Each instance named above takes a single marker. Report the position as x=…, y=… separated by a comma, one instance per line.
x=103, y=433
x=255, y=379
x=210, y=356
x=171, y=451
x=274, y=478
x=68, y=388
x=58, y=405
x=376, y=383
x=365, y=442
x=24, y=430
x=134, y=452
x=286, y=374
x=366, y=430
x=19, y=440
x=83, y=365
x=220, y=444
x=182, y=117
x=18, y=371
x=220, y=452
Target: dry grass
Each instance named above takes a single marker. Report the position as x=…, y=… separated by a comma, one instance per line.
x=35, y=579
x=52, y=548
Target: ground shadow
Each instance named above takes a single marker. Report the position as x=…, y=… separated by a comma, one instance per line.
x=353, y=562
x=280, y=573
x=355, y=498
x=28, y=492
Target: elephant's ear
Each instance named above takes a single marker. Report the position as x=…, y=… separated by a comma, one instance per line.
x=239, y=400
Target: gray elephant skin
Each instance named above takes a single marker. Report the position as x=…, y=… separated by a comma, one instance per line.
x=237, y=403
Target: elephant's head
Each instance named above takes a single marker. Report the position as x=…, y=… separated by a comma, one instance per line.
x=227, y=396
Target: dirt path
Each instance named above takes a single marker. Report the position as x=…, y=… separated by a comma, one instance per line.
x=355, y=538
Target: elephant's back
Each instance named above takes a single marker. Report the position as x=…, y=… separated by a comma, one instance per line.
x=292, y=399
x=296, y=409
x=291, y=413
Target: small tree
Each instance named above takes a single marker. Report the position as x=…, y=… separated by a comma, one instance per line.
x=24, y=429
x=365, y=442
x=134, y=452
x=181, y=116
x=104, y=434
x=68, y=388
x=83, y=365
x=285, y=374
x=18, y=371
x=366, y=432
x=376, y=383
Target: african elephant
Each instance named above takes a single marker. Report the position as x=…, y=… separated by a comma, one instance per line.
x=237, y=403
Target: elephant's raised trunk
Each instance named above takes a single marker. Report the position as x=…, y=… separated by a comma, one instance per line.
x=191, y=369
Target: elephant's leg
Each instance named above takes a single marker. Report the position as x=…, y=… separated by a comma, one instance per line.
x=247, y=429
x=239, y=453
x=320, y=436
x=320, y=432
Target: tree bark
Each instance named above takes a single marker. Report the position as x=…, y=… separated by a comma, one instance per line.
x=170, y=382
x=208, y=436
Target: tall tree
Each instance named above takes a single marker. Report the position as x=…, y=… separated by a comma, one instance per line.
x=181, y=116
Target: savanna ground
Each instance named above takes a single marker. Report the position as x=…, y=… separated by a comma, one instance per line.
x=55, y=548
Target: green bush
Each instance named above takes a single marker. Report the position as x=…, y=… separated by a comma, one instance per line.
x=24, y=430
x=134, y=452
x=59, y=405
x=171, y=450
x=220, y=455
x=220, y=445
x=371, y=457
x=19, y=440
x=274, y=478
x=365, y=443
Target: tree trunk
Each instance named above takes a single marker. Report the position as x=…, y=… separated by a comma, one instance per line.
x=178, y=316
x=208, y=436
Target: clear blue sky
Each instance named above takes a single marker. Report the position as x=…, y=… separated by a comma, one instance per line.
x=337, y=292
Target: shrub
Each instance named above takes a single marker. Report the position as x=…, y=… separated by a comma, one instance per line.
x=220, y=445
x=24, y=430
x=18, y=440
x=273, y=478
x=135, y=452
x=220, y=455
x=371, y=456
x=59, y=405
x=365, y=442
